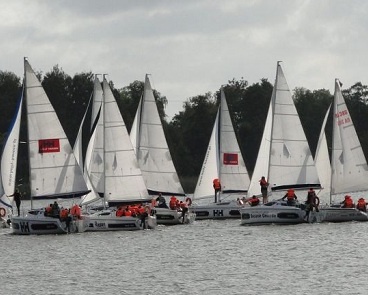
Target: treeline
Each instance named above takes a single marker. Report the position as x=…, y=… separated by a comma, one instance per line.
x=189, y=131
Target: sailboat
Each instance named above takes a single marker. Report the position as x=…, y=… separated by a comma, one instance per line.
x=284, y=158
x=114, y=171
x=8, y=167
x=224, y=161
x=154, y=158
x=54, y=171
x=349, y=169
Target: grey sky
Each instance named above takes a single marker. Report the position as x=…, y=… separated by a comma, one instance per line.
x=190, y=47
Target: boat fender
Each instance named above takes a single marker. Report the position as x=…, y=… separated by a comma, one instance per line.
x=316, y=201
x=2, y=212
x=188, y=201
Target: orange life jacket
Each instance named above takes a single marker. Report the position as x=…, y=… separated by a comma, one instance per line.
x=254, y=202
x=290, y=195
x=128, y=213
x=64, y=213
x=216, y=184
x=348, y=203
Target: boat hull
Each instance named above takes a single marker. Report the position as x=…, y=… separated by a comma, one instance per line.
x=108, y=221
x=225, y=210
x=35, y=223
x=167, y=216
x=277, y=214
x=336, y=214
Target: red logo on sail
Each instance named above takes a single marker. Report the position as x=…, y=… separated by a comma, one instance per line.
x=48, y=146
x=230, y=159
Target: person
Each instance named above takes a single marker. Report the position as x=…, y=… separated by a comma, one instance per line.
x=17, y=200
x=55, y=209
x=48, y=211
x=120, y=212
x=361, y=205
x=291, y=197
x=264, y=189
x=184, y=208
x=312, y=202
x=239, y=202
x=348, y=202
x=172, y=203
x=161, y=201
x=217, y=187
x=254, y=201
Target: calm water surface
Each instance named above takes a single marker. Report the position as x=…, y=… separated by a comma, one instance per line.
x=207, y=257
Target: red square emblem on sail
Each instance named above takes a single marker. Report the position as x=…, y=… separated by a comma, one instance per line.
x=48, y=146
x=230, y=159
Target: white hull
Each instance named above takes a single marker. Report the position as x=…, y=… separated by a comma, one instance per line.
x=171, y=217
x=272, y=215
x=336, y=214
x=224, y=210
x=108, y=221
x=36, y=223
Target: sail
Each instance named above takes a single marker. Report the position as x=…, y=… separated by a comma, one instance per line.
x=262, y=162
x=322, y=161
x=134, y=131
x=349, y=166
x=9, y=159
x=152, y=151
x=223, y=159
x=54, y=171
x=210, y=167
x=94, y=160
x=123, y=178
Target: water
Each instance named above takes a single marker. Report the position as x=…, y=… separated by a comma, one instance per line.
x=207, y=257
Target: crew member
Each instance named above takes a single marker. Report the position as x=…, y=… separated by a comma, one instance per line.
x=291, y=197
x=254, y=201
x=312, y=202
x=217, y=187
x=362, y=205
x=264, y=188
x=348, y=202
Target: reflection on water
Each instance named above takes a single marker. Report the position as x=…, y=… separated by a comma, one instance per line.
x=207, y=257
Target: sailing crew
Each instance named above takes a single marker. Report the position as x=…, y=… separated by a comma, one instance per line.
x=172, y=203
x=254, y=201
x=291, y=197
x=312, y=202
x=161, y=201
x=17, y=199
x=348, y=202
x=217, y=187
x=361, y=205
x=55, y=210
x=264, y=187
x=184, y=208
x=239, y=202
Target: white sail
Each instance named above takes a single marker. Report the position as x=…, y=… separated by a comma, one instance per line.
x=349, y=166
x=262, y=163
x=54, y=171
x=152, y=151
x=94, y=160
x=9, y=159
x=210, y=167
x=223, y=159
x=291, y=162
x=134, y=131
x=123, y=178
x=322, y=162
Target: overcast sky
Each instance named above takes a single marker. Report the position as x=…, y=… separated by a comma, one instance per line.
x=190, y=46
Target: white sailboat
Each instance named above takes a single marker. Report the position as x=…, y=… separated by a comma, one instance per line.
x=54, y=171
x=8, y=168
x=289, y=163
x=223, y=161
x=154, y=158
x=349, y=169
x=115, y=172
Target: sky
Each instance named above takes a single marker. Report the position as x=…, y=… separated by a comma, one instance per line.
x=190, y=47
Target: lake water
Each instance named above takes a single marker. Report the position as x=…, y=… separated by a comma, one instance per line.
x=206, y=257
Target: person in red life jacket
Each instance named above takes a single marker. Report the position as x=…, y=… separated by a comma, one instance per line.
x=361, y=205
x=48, y=211
x=120, y=212
x=172, y=203
x=127, y=211
x=217, y=187
x=184, y=210
x=291, y=197
x=64, y=216
x=75, y=211
x=348, y=202
x=264, y=189
x=254, y=201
